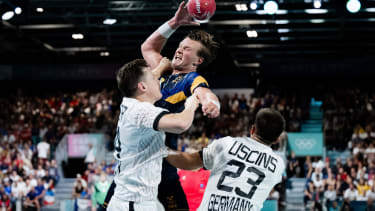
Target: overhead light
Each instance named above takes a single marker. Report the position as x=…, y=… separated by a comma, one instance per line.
x=109, y=21
x=271, y=7
x=241, y=7
x=317, y=21
x=105, y=53
x=244, y=7
x=77, y=36
x=283, y=30
x=253, y=5
x=316, y=11
x=281, y=21
x=370, y=9
x=39, y=9
x=7, y=15
x=18, y=10
x=284, y=38
x=353, y=6
x=317, y=4
x=252, y=33
x=238, y=7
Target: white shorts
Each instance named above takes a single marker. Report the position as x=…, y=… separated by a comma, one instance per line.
x=117, y=205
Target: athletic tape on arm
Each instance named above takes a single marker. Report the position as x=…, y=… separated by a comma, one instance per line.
x=165, y=30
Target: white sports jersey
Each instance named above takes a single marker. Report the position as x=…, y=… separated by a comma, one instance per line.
x=139, y=151
x=243, y=172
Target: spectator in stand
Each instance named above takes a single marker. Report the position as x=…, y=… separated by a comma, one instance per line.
x=309, y=193
x=362, y=188
x=293, y=166
x=351, y=193
x=330, y=195
x=100, y=189
x=32, y=200
x=40, y=191
x=78, y=189
x=53, y=171
x=90, y=157
x=370, y=194
x=43, y=151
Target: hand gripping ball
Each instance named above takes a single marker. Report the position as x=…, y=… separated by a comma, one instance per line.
x=201, y=10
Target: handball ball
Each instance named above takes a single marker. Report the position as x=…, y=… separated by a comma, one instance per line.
x=201, y=10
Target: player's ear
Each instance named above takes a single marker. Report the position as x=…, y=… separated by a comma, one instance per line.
x=252, y=130
x=200, y=60
x=142, y=86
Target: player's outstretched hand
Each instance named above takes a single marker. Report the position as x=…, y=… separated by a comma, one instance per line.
x=182, y=16
x=211, y=109
x=192, y=102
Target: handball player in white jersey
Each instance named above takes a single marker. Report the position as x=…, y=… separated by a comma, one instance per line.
x=139, y=142
x=243, y=170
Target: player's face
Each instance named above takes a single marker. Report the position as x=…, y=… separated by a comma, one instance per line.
x=153, y=86
x=186, y=54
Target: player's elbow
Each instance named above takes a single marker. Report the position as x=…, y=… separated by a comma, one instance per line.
x=145, y=47
x=182, y=126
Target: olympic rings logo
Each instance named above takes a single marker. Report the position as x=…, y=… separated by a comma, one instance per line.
x=305, y=143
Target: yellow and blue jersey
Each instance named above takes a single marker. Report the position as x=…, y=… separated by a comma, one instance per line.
x=177, y=88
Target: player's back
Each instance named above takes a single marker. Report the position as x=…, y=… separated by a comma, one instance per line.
x=139, y=150
x=243, y=172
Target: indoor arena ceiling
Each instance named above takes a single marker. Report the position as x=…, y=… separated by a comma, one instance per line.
x=44, y=30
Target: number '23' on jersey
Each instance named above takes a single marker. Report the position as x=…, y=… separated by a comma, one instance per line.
x=243, y=172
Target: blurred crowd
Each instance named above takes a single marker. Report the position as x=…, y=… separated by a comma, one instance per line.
x=349, y=118
x=237, y=116
x=32, y=126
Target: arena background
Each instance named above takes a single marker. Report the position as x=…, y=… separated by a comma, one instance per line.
x=315, y=65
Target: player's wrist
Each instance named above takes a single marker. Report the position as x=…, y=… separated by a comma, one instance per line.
x=166, y=30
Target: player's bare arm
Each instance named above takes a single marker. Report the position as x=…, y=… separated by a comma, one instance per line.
x=153, y=45
x=180, y=122
x=184, y=160
x=163, y=67
x=210, y=102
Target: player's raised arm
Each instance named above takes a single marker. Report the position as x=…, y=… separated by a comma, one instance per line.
x=153, y=45
x=179, y=122
x=184, y=160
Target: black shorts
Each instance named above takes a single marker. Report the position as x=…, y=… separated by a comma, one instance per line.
x=170, y=192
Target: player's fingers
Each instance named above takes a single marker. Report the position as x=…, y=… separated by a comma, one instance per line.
x=194, y=23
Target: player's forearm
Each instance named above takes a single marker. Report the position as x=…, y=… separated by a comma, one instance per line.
x=153, y=45
x=210, y=102
x=177, y=123
x=183, y=160
x=205, y=95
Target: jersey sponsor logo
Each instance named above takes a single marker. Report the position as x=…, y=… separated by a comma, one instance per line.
x=254, y=157
x=177, y=79
x=228, y=203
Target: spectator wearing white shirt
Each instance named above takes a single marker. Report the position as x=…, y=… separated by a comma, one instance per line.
x=351, y=193
x=317, y=173
x=370, y=194
x=14, y=177
x=43, y=151
x=40, y=172
x=330, y=194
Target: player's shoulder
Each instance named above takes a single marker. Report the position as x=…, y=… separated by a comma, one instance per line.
x=133, y=105
x=224, y=141
x=193, y=75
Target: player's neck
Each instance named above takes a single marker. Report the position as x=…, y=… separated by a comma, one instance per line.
x=182, y=71
x=145, y=98
x=258, y=139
